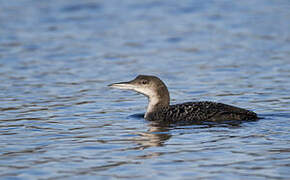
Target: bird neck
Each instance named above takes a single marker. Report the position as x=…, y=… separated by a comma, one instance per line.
x=158, y=100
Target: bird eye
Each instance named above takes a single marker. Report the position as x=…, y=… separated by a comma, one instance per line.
x=144, y=82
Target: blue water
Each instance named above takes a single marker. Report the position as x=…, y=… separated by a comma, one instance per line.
x=59, y=120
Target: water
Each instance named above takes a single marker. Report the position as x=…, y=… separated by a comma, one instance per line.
x=59, y=120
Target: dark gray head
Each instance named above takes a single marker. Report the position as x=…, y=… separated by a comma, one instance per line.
x=150, y=86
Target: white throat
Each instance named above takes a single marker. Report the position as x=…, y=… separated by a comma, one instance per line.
x=152, y=105
x=156, y=100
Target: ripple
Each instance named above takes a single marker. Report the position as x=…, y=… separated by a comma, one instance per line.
x=58, y=119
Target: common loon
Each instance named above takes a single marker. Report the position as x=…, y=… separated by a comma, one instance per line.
x=159, y=108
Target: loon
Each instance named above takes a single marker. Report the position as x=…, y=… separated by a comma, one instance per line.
x=159, y=108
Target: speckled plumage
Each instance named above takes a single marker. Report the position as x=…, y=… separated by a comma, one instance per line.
x=159, y=109
x=201, y=111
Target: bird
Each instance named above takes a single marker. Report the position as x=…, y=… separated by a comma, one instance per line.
x=160, y=110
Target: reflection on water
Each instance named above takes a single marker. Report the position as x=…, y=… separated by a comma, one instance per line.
x=58, y=120
x=158, y=133
x=155, y=136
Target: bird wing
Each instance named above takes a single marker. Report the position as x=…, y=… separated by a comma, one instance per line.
x=204, y=110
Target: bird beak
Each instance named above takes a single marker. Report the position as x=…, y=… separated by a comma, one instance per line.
x=123, y=85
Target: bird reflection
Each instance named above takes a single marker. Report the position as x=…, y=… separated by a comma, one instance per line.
x=156, y=135
x=159, y=132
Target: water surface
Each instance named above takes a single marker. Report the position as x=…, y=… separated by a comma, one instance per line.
x=59, y=120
